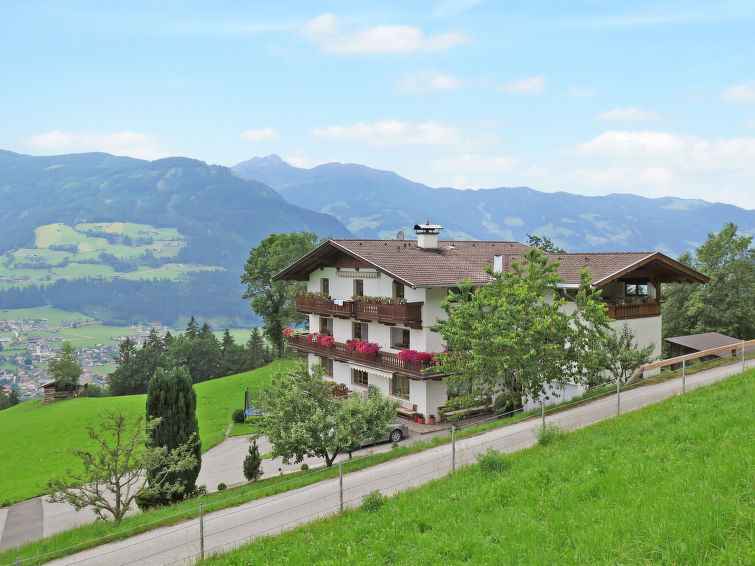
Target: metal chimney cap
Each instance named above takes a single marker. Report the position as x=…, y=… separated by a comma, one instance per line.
x=427, y=228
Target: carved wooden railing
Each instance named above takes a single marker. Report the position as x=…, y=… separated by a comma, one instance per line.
x=385, y=361
x=633, y=310
x=409, y=314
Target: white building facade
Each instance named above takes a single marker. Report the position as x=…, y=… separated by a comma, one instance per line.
x=367, y=294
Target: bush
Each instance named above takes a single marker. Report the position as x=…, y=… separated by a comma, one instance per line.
x=148, y=499
x=493, y=461
x=222, y=486
x=239, y=416
x=502, y=404
x=548, y=434
x=304, y=467
x=373, y=501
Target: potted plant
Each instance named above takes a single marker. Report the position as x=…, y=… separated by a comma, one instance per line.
x=431, y=419
x=420, y=418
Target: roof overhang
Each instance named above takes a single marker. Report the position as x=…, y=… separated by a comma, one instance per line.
x=301, y=268
x=656, y=267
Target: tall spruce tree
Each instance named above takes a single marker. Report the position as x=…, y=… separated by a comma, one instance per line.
x=258, y=354
x=171, y=397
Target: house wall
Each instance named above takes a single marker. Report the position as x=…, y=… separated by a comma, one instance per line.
x=646, y=330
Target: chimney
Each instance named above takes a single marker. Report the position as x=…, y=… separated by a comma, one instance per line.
x=427, y=235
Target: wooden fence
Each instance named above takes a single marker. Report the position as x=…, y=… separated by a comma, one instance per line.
x=737, y=350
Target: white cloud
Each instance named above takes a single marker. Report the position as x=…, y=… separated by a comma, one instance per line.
x=429, y=81
x=378, y=39
x=320, y=28
x=132, y=144
x=581, y=92
x=392, y=132
x=262, y=134
x=744, y=93
x=472, y=163
x=530, y=85
x=667, y=149
x=628, y=114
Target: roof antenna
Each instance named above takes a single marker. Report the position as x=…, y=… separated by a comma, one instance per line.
x=400, y=235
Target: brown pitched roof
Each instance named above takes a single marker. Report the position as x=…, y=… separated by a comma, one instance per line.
x=454, y=261
x=705, y=341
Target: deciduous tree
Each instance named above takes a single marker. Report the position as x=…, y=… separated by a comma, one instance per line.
x=64, y=368
x=272, y=300
x=303, y=418
x=112, y=474
x=621, y=356
x=727, y=303
x=514, y=336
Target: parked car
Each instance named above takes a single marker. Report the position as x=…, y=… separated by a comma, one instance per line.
x=396, y=432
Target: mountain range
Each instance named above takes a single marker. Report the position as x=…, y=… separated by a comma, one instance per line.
x=222, y=214
x=376, y=204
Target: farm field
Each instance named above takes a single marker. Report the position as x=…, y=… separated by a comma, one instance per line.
x=48, y=434
x=672, y=483
x=74, y=248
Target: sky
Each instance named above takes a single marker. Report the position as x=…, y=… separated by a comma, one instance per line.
x=592, y=97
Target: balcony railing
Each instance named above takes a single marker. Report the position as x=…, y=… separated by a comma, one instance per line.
x=633, y=310
x=385, y=361
x=409, y=314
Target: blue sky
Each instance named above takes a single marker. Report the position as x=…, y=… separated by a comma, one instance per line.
x=654, y=98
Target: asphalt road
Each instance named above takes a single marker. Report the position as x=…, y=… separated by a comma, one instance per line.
x=228, y=528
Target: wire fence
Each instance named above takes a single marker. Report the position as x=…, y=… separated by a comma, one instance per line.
x=212, y=532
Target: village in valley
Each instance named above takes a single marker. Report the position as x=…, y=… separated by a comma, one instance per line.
x=28, y=345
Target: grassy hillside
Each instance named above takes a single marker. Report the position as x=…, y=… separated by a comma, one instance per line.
x=36, y=442
x=673, y=483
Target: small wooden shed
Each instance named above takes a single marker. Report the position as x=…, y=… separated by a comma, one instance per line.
x=692, y=343
x=51, y=394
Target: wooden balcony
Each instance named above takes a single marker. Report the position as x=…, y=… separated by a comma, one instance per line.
x=384, y=361
x=409, y=314
x=633, y=310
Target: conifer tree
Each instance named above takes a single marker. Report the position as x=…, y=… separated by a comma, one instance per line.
x=253, y=463
x=192, y=329
x=171, y=397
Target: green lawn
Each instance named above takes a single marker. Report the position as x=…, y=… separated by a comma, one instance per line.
x=673, y=483
x=36, y=442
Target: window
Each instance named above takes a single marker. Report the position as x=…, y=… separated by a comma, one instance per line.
x=327, y=366
x=400, y=386
x=326, y=326
x=399, y=337
x=635, y=289
x=325, y=286
x=359, y=377
x=398, y=290
x=359, y=331
x=359, y=287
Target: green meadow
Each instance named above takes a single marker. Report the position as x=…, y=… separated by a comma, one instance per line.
x=673, y=483
x=37, y=442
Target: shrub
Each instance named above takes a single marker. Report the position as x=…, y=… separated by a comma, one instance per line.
x=548, y=434
x=502, y=404
x=238, y=416
x=373, y=501
x=493, y=461
x=304, y=467
x=222, y=486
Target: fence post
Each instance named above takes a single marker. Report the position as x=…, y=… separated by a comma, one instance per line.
x=340, y=487
x=453, y=449
x=18, y=560
x=201, y=531
x=542, y=410
x=743, y=355
x=684, y=373
x=618, y=396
